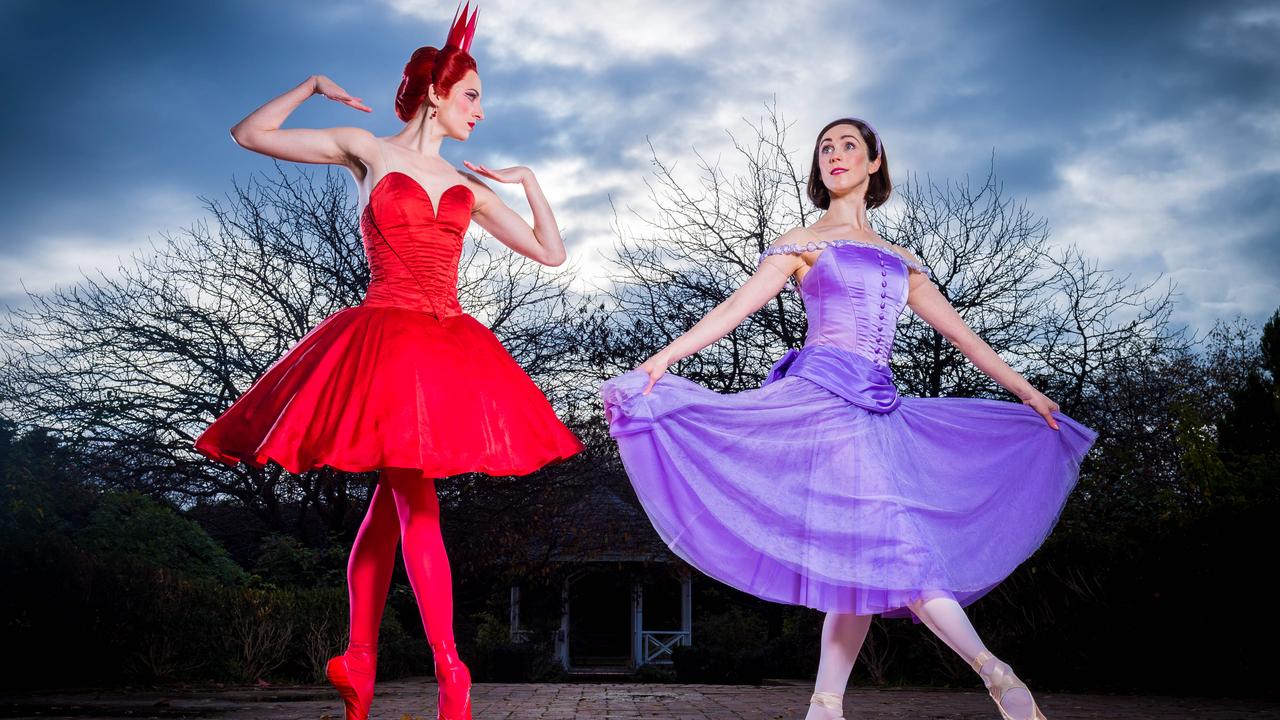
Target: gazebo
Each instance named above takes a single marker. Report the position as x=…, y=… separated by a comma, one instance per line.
x=624, y=601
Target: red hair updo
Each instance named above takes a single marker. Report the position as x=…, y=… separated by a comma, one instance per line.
x=426, y=67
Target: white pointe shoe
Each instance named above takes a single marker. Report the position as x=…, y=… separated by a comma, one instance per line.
x=999, y=679
x=833, y=701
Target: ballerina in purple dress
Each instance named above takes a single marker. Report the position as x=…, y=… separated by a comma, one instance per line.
x=824, y=488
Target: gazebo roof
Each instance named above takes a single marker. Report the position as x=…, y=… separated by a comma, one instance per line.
x=604, y=526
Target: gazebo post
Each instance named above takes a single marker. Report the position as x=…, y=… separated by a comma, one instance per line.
x=562, y=638
x=514, y=619
x=637, y=624
x=686, y=606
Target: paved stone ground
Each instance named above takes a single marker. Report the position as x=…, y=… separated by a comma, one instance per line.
x=414, y=699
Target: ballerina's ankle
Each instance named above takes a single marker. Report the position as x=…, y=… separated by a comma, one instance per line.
x=1000, y=680
x=993, y=670
x=362, y=658
x=446, y=653
x=454, y=680
x=828, y=700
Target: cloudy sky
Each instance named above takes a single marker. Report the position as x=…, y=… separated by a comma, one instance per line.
x=1148, y=133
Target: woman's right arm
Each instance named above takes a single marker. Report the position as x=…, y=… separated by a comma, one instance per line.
x=760, y=288
x=260, y=130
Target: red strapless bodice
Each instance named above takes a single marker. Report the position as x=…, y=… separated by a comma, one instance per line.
x=404, y=380
x=413, y=249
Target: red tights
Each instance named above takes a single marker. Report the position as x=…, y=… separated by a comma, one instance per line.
x=404, y=509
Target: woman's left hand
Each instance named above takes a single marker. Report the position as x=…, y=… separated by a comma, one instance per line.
x=513, y=174
x=1043, y=405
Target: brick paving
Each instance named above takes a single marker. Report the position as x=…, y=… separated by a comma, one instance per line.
x=414, y=699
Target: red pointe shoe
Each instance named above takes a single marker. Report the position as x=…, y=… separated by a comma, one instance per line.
x=454, y=679
x=354, y=684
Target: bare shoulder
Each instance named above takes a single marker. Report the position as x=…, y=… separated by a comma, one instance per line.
x=784, y=252
x=794, y=236
x=914, y=264
x=478, y=186
x=474, y=182
x=484, y=195
x=356, y=143
x=904, y=253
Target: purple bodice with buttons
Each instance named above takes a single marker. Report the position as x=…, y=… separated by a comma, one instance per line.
x=852, y=295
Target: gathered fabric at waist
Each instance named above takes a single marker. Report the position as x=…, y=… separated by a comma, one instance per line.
x=382, y=293
x=851, y=376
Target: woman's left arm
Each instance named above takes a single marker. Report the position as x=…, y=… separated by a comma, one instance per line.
x=542, y=242
x=933, y=308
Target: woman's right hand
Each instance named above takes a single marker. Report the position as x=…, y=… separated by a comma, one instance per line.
x=261, y=132
x=655, y=367
x=333, y=91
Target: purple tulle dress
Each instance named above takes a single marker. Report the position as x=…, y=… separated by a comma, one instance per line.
x=824, y=488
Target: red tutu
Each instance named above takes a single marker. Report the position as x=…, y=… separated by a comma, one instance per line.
x=406, y=379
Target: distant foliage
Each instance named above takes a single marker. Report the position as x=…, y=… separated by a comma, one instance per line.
x=131, y=527
x=114, y=587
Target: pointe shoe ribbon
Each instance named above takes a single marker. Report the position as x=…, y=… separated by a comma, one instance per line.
x=999, y=681
x=833, y=701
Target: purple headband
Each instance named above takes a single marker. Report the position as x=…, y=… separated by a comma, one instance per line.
x=879, y=145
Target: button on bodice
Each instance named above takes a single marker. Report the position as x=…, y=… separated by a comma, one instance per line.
x=853, y=299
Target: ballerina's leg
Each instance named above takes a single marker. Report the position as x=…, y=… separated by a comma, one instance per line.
x=423, y=551
x=427, y=565
x=373, y=557
x=842, y=638
x=369, y=569
x=943, y=615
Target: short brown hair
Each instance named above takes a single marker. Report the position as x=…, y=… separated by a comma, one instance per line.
x=878, y=185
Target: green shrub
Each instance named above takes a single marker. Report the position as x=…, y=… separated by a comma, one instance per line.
x=283, y=560
x=131, y=526
x=495, y=658
x=728, y=648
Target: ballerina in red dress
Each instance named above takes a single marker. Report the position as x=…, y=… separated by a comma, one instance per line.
x=406, y=382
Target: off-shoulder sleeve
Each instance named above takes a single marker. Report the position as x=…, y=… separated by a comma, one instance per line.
x=781, y=250
x=913, y=264
x=795, y=248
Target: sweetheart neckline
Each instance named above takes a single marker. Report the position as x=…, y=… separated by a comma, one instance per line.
x=435, y=206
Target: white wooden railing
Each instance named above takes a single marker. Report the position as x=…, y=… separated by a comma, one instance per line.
x=658, y=645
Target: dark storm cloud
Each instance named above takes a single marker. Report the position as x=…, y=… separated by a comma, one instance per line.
x=1181, y=94
x=1053, y=70
x=115, y=104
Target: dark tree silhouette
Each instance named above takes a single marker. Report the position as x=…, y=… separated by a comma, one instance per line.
x=128, y=368
x=1049, y=311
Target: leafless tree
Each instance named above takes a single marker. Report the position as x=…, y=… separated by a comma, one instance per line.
x=1048, y=310
x=699, y=243
x=131, y=366
x=986, y=253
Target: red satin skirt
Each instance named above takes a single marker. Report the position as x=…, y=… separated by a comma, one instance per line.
x=377, y=387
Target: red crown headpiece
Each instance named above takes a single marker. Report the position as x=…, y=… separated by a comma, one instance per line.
x=463, y=29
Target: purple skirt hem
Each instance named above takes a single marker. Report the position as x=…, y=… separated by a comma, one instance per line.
x=793, y=494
